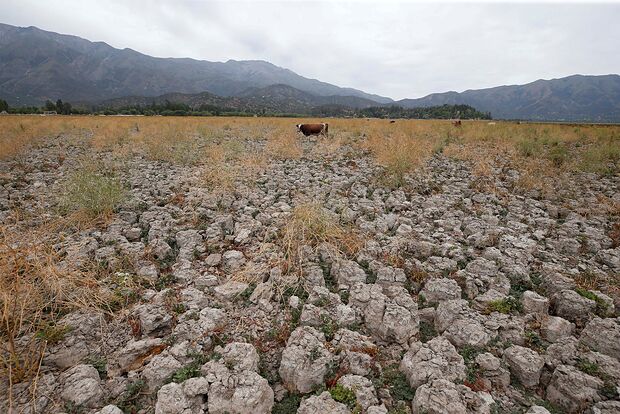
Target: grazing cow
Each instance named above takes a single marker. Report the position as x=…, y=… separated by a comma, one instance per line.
x=457, y=123
x=312, y=129
x=392, y=121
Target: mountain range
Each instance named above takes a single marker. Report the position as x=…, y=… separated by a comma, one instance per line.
x=573, y=98
x=37, y=65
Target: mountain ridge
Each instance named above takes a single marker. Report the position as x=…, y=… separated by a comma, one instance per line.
x=276, y=98
x=571, y=98
x=36, y=65
x=84, y=70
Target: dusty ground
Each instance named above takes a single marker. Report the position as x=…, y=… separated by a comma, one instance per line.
x=255, y=271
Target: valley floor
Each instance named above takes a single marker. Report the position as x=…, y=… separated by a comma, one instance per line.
x=253, y=275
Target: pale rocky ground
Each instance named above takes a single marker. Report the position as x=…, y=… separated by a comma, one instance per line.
x=405, y=324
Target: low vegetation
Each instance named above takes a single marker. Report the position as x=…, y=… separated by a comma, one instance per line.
x=35, y=291
x=203, y=199
x=312, y=225
x=92, y=190
x=345, y=396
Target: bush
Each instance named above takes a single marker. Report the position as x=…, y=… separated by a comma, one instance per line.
x=399, y=154
x=558, y=154
x=92, y=192
x=396, y=382
x=288, y=404
x=312, y=225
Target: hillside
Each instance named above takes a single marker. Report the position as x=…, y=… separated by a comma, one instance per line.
x=36, y=65
x=275, y=98
x=573, y=98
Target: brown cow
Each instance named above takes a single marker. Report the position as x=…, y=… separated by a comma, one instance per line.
x=456, y=123
x=312, y=129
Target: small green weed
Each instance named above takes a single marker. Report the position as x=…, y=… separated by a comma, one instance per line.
x=506, y=306
x=52, y=333
x=344, y=395
x=288, y=405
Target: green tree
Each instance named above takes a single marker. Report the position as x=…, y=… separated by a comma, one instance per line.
x=66, y=108
x=4, y=105
x=49, y=106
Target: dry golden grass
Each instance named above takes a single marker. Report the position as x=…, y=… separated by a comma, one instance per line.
x=35, y=290
x=399, y=153
x=310, y=225
x=400, y=147
x=228, y=163
x=92, y=190
x=284, y=145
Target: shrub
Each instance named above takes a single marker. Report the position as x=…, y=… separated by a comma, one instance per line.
x=191, y=370
x=127, y=402
x=427, y=331
x=51, y=333
x=399, y=155
x=92, y=192
x=558, y=154
x=284, y=146
x=100, y=364
x=602, y=307
x=288, y=404
x=590, y=368
x=602, y=157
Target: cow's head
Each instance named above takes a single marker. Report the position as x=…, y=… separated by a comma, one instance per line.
x=298, y=126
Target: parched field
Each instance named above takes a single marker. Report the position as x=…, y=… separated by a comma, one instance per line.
x=188, y=265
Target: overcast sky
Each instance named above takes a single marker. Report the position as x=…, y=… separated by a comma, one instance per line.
x=395, y=49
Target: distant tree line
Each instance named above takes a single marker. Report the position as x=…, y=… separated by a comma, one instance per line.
x=60, y=107
x=168, y=108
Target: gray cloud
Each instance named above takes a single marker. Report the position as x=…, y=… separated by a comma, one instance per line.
x=394, y=49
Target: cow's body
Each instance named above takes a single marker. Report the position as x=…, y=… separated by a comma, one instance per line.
x=312, y=129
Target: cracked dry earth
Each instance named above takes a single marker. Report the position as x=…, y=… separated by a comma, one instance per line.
x=463, y=298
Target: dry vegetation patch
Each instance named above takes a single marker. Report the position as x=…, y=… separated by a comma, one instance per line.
x=35, y=291
x=311, y=225
x=92, y=189
x=282, y=145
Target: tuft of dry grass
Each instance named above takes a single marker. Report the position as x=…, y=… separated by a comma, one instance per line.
x=310, y=225
x=35, y=291
x=219, y=178
x=399, y=153
x=92, y=190
x=284, y=146
x=227, y=164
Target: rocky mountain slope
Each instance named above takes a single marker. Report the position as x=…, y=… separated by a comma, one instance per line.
x=574, y=98
x=36, y=65
x=277, y=98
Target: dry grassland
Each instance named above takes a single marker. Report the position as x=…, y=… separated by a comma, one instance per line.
x=35, y=289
